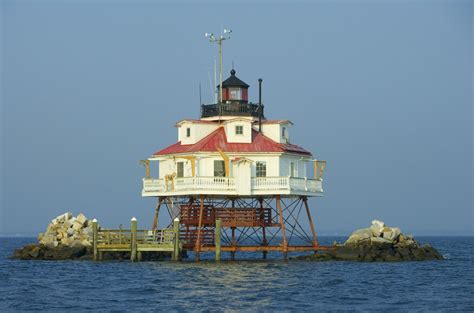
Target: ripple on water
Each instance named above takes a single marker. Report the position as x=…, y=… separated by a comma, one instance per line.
x=241, y=285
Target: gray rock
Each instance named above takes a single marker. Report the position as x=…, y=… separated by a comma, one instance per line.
x=377, y=228
x=379, y=241
x=358, y=236
x=81, y=219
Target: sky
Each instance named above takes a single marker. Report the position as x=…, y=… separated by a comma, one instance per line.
x=382, y=90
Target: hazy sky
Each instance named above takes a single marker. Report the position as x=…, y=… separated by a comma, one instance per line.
x=382, y=90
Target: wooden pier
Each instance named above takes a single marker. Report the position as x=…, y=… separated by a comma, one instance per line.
x=136, y=241
x=175, y=238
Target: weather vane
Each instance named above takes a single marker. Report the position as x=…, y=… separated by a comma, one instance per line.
x=219, y=40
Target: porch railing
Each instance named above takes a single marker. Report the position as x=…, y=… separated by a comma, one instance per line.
x=228, y=184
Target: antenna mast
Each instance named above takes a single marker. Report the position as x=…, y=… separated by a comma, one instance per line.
x=224, y=36
x=215, y=81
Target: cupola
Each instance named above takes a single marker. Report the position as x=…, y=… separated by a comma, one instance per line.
x=234, y=89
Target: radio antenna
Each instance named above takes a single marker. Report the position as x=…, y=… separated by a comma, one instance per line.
x=219, y=39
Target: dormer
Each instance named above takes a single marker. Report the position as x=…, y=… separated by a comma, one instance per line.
x=234, y=90
x=277, y=130
x=238, y=130
x=191, y=131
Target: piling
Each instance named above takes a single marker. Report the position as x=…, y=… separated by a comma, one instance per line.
x=94, y=239
x=176, y=253
x=217, y=239
x=133, y=239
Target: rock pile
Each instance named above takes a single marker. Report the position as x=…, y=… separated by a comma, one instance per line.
x=379, y=243
x=67, y=237
x=67, y=230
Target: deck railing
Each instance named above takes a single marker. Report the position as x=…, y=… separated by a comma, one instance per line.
x=258, y=184
x=232, y=109
x=270, y=183
x=135, y=241
x=161, y=236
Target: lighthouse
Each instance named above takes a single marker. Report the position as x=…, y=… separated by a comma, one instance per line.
x=235, y=170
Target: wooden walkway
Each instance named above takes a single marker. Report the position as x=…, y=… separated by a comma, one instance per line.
x=135, y=241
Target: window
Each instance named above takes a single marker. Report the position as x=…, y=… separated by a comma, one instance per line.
x=235, y=94
x=239, y=130
x=261, y=169
x=188, y=132
x=293, y=169
x=180, y=169
x=219, y=168
x=283, y=132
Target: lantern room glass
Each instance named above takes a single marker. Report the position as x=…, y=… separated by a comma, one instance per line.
x=235, y=94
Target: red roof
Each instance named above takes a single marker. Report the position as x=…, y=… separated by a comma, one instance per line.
x=194, y=121
x=218, y=140
x=276, y=122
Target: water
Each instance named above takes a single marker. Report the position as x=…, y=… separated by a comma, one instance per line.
x=250, y=285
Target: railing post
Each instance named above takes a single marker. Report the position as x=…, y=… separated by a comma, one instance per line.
x=133, y=239
x=176, y=253
x=217, y=239
x=94, y=238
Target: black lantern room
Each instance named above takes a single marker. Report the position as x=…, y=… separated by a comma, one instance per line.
x=234, y=90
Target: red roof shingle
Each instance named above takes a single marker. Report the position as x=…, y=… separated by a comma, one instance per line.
x=218, y=140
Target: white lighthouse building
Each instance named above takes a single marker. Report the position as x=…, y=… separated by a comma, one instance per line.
x=235, y=165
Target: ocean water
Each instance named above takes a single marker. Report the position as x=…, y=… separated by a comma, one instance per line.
x=243, y=285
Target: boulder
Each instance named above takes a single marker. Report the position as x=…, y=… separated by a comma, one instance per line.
x=81, y=219
x=86, y=243
x=358, y=236
x=65, y=253
x=345, y=253
x=380, y=243
x=391, y=233
x=377, y=228
x=62, y=218
x=70, y=232
x=76, y=226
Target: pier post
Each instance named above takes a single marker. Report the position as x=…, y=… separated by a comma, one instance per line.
x=282, y=227
x=264, y=233
x=217, y=239
x=94, y=238
x=176, y=253
x=315, y=239
x=133, y=239
x=198, y=240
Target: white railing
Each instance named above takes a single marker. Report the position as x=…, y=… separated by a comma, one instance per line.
x=270, y=183
x=151, y=184
x=298, y=184
x=258, y=184
x=188, y=183
x=215, y=183
x=304, y=184
x=315, y=185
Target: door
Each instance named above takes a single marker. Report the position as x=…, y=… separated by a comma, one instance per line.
x=242, y=179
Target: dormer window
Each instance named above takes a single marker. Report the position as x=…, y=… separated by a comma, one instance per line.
x=283, y=132
x=239, y=130
x=188, y=132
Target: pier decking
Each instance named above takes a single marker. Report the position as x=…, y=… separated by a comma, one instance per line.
x=136, y=241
